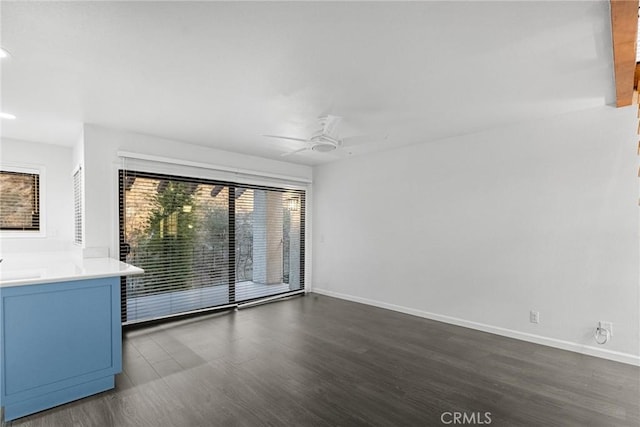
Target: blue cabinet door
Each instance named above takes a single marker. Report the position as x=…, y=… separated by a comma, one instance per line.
x=60, y=342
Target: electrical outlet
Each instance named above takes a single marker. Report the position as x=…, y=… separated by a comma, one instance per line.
x=534, y=316
x=606, y=325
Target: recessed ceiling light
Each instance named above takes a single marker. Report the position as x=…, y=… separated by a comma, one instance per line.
x=7, y=116
x=4, y=53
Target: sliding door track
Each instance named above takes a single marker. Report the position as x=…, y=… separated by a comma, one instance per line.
x=269, y=299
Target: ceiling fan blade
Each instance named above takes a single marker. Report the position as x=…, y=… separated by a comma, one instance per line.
x=293, y=152
x=330, y=124
x=352, y=141
x=287, y=137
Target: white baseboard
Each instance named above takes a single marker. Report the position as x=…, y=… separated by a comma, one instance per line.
x=537, y=339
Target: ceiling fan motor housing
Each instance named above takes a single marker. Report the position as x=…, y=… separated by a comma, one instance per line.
x=323, y=143
x=324, y=147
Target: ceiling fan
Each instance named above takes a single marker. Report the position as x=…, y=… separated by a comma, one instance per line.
x=324, y=140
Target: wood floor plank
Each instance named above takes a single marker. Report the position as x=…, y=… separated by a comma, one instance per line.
x=320, y=361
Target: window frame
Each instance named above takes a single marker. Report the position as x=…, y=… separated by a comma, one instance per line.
x=41, y=172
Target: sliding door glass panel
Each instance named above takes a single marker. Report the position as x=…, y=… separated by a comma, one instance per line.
x=180, y=231
x=177, y=232
x=267, y=231
x=293, y=232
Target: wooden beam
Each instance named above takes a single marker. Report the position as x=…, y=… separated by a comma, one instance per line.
x=624, y=28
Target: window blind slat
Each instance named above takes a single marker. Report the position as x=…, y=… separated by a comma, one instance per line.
x=77, y=207
x=19, y=201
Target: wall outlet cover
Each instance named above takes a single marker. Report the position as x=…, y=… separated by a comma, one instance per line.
x=606, y=325
x=534, y=316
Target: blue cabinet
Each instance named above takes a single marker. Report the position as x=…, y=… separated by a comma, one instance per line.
x=60, y=342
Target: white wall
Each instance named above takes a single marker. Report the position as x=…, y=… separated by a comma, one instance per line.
x=58, y=188
x=480, y=229
x=101, y=163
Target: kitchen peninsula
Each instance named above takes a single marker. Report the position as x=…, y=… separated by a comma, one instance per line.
x=60, y=332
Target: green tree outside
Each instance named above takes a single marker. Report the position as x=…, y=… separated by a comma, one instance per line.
x=171, y=231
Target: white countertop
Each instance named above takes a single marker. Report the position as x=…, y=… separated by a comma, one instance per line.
x=48, y=267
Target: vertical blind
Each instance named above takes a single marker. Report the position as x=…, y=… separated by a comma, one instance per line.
x=19, y=201
x=77, y=206
x=205, y=244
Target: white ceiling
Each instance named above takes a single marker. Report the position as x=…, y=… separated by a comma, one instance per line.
x=222, y=74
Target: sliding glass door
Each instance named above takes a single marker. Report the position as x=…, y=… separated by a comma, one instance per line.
x=181, y=230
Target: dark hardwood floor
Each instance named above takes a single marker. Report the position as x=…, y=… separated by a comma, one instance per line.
x=320, y=361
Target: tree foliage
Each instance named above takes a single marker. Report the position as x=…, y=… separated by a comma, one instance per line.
x=171, y=231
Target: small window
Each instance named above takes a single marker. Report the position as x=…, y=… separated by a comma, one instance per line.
x=20, y=200
x=77, y=206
